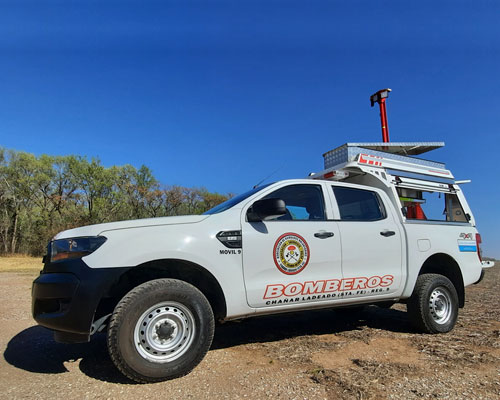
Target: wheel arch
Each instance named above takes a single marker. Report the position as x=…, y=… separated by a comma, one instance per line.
x=183, y=270
x=444, y=264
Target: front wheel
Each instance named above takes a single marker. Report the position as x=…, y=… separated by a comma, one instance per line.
x=160, y=330
x=433, y=306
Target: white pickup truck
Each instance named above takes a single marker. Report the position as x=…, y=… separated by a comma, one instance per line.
x=376, y=226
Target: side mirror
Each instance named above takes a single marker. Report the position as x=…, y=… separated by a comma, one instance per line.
x=263, y=210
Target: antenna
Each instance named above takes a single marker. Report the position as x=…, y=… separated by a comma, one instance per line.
x=267, y=177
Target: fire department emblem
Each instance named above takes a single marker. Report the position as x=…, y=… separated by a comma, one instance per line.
x=291, y=253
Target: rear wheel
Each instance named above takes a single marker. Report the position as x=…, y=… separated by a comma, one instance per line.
x=433, y=306
x=160, y=330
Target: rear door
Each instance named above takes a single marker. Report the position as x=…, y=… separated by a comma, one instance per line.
x=371, y=242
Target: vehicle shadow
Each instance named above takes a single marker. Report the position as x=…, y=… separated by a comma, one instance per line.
x=35, y=350
x=319, y=322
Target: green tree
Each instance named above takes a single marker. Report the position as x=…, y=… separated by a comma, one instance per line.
x=40, y=196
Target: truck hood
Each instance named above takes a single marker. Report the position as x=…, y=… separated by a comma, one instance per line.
x=94, y=230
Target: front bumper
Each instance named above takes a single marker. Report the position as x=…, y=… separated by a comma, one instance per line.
x=66, y=294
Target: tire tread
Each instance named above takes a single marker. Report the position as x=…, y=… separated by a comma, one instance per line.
x=117, y=319
x=417, y=305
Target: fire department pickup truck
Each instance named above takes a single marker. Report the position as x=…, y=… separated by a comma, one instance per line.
x=376, y=226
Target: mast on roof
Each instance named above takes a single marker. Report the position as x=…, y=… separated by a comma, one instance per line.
x=379, y=97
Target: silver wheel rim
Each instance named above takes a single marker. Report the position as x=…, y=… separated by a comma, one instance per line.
x=440, y=305
x=164, y=332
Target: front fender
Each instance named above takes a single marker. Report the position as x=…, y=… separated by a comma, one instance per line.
x=189, y=242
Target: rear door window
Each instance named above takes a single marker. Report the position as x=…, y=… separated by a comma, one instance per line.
x=358, y=204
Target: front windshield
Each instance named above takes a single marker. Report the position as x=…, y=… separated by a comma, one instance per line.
x=235, y=200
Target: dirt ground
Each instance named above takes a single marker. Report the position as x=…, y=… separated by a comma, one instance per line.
x=374, y=354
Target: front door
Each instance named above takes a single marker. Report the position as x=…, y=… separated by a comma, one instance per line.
x=295, y=258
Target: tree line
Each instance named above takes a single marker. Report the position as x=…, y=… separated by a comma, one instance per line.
x=40, y=196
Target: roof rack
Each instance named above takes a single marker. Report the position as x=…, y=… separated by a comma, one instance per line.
x=389, y=156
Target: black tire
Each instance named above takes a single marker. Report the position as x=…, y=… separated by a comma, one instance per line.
x=160, y=330
x=433, y=306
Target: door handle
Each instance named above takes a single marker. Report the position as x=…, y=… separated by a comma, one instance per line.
x=323, y=234
x=387, y=233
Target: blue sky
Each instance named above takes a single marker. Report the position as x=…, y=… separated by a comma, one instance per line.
x=221, y=94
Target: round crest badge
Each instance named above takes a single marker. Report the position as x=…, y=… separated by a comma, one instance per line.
x=291, y=253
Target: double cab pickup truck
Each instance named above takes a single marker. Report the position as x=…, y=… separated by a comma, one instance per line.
x=376, y=226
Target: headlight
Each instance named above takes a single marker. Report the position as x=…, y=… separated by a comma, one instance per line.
x=78, y=247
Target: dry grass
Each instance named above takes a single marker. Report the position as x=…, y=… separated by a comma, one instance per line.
x=369, y=354
x=20, y=263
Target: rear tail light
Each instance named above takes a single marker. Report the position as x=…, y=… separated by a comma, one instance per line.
x=478, y=246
